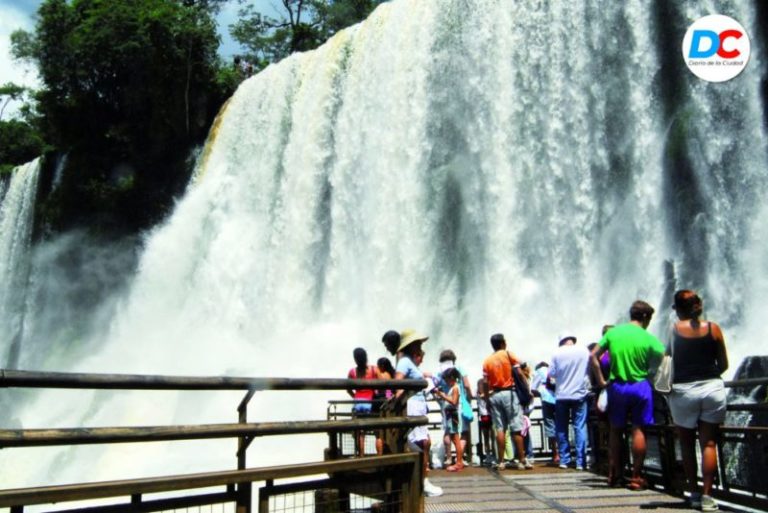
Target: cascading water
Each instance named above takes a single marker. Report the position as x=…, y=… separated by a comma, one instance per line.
x=17, y=202
x=462, y=167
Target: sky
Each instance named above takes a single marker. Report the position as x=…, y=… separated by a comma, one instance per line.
x=19, y=14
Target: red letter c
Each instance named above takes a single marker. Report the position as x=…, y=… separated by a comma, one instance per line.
x=725, y=34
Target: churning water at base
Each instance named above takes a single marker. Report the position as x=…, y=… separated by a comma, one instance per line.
x=461, y=167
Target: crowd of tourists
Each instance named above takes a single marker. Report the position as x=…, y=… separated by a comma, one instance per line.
x=613, y=377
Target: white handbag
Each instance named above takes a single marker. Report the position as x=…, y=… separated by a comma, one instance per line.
x=662, y=381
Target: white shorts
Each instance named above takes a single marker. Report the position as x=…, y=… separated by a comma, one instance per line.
x=416, y=407
x=699, y=400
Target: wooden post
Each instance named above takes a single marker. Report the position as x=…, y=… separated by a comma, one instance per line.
x=264, y=494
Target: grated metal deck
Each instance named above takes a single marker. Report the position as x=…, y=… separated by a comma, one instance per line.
x=544, y=491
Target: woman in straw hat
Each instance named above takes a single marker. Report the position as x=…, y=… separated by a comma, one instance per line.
x=408, y=368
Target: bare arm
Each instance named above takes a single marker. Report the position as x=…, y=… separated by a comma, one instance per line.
x=399, y=375
x=597, y=352
x=453, y=398
x=722, y=352
x=468, y=388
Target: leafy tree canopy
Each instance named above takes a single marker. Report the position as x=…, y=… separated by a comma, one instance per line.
x=303, y=25
x=128, y=88
x=123, y=66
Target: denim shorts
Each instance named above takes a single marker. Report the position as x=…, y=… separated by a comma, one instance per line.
x=506, y=411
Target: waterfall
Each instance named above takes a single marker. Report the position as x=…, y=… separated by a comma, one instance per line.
x=461, y=167
x=17, y=202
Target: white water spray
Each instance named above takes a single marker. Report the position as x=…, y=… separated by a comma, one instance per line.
x=459, y=167
x=17, y=203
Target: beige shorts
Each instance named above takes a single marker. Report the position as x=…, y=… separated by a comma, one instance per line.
x=699, y=400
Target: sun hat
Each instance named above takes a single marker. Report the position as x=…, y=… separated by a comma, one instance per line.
x=564, y=338
x=408, y=337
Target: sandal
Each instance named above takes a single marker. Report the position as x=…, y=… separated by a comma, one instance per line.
x=637, y=484
x=455, y=468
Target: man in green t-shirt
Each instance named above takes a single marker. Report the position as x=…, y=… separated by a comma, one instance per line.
x=632, y=352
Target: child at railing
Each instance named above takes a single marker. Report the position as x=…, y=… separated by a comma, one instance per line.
x=452, y=412
x=485, y=447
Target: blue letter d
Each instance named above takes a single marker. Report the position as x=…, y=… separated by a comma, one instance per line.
x=714, y=44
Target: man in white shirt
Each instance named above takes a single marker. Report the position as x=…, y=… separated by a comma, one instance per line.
x=569, y=368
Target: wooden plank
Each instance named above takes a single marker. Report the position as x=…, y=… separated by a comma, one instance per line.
x=33, y=379
x=100, y=490
x=79, y=436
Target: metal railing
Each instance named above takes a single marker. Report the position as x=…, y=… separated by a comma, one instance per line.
x=663, y=465
x=395, y=486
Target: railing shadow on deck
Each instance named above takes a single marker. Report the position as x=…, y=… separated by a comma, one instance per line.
x=391, y=483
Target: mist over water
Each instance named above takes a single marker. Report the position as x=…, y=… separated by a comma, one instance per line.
x=463, y=168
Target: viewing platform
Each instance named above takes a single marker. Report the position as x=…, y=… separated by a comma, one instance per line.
x=337, y=481
x=545, y=490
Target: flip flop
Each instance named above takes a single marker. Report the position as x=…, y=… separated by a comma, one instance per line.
x=637, y=484
x=455, y=468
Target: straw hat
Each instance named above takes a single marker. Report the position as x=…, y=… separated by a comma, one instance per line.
x=408, y=337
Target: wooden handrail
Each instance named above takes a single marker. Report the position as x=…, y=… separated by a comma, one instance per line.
x=81, y=436
x=34, y=379
x=98, y=490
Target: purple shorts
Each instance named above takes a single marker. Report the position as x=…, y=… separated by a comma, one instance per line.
x=630, y=398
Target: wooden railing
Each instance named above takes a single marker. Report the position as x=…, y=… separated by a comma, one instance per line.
x=401, y=473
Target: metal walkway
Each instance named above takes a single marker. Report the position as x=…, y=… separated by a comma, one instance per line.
x=543, y=491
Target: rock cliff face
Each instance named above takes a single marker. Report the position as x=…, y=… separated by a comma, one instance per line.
x=745, y=462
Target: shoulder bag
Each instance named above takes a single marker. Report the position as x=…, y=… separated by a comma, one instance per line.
x=522, y=389
x=662, y=380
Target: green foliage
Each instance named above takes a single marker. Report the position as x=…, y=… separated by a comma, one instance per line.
x=304, y=25
x=20, y=142
x=8, y=93
x=125, y=83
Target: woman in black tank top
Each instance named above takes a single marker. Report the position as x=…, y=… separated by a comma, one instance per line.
x=697, y=400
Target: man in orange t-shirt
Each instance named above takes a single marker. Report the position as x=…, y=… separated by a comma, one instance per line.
x=506, y=411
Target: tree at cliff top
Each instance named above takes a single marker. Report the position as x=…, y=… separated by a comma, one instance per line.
x=302, y=25
x=128, y=88
x=20, y=140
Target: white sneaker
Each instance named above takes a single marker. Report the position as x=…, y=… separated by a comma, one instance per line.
x=695, y=500
x=431, y=490
x=708, y=503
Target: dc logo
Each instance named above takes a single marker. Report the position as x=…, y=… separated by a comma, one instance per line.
x=716, y=48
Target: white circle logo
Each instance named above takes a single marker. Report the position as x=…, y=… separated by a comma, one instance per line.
x=716, y=48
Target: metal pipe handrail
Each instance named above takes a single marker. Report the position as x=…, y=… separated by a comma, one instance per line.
x=81, y=436
x=751, y=382
x=104, y=489
x=35, y=379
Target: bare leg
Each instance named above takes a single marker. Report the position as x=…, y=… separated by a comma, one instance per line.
x=616, y=439
x=639, y=449
x=555, y=453
x=426, y=445
x=519, y=445
x=447, y=460
x=708, y=435
x=501, y=443
x=459, y=450
x=688, y=451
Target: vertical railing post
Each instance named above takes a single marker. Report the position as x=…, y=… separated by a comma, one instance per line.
x=244, y=490
x=668, y=458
